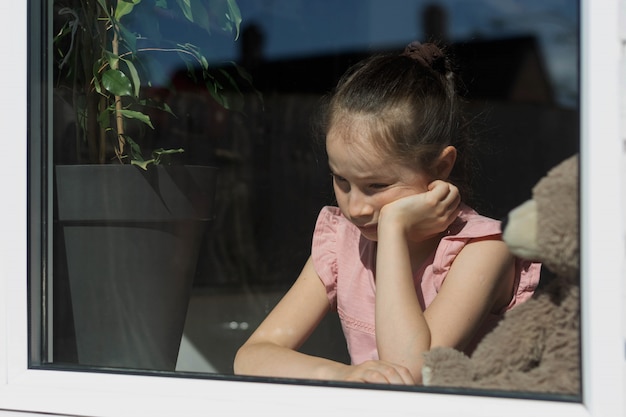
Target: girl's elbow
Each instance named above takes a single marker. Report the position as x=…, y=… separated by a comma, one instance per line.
x=416, y=372
x=241, y=361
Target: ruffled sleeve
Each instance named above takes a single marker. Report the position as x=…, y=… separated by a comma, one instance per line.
x=324, y=251
x=527, y=276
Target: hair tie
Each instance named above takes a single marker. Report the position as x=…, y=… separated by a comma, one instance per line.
x=424, y=53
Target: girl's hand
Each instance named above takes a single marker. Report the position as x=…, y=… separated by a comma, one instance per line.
x=424, y=215
x=378, y=372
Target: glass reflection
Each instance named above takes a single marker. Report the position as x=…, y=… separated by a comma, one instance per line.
x=518, y=64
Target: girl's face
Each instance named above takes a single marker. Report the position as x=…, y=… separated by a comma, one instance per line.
x=364, y=179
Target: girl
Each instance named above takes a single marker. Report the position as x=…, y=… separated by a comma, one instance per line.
x=407, y=266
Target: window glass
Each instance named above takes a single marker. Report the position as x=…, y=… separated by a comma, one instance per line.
x=186, y=172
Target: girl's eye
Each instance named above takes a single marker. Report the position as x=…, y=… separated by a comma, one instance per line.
x=337, y=178
x=378, y=186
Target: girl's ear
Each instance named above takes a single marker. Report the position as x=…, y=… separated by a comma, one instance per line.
x=445, y=162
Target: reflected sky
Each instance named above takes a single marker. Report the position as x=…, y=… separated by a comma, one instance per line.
x=297, y=27
x=294, y=28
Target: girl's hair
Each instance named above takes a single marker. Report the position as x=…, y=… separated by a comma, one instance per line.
x=411, y=105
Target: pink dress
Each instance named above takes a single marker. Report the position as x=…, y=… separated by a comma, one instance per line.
x=345, y=261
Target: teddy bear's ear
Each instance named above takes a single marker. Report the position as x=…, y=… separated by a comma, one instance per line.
x=519, y=231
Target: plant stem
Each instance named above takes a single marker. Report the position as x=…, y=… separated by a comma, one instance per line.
x=119, y=150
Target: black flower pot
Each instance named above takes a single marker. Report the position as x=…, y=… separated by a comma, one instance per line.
x=126, y=249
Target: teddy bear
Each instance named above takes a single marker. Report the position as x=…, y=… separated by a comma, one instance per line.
x=536, y=346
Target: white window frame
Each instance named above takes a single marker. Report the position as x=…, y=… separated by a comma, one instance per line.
x=99, y=394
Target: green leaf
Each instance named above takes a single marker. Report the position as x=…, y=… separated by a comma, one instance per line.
x=136, y=158
x=161, y=105
x=124, y=7
x=116, y=82
x=204, y=62
x=186, y=8
x=160, y=152
x=65, y=30
x=111, y=58
x=96, y=81
x=217, y=96
x=158, y=156
x=81, y=115
x=230, y=79
x=132, y=114
x=128, y=38
x=163, y=155
x=227, y=14
x=104, y=119
x=235, y=101
x=200, y=16
x=134, y=76
x=193, y=51
x=234, y=15
x=241, y=71
x=165, y=107
x=191, y=70
x=142, y=164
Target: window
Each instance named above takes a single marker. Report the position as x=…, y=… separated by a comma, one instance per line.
x=90, y=393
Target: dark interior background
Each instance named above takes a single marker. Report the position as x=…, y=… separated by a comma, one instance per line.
x=273, y=174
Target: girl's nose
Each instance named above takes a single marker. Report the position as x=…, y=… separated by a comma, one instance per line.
x=359, y=205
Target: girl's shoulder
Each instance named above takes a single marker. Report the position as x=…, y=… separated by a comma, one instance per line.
x=470, y=224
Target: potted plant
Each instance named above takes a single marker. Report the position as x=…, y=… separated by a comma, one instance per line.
x=127, y=226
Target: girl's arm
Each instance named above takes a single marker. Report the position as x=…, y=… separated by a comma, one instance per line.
x=272, y=348
x=479, y=281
